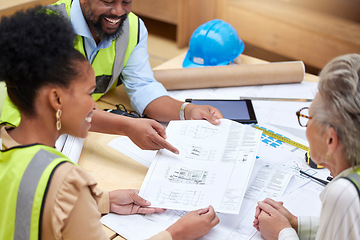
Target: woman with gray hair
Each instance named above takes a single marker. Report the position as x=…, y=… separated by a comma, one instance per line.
x=333, y=132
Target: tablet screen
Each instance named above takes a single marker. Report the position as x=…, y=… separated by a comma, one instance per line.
x=237, y=110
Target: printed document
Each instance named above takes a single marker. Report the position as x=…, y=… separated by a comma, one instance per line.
x=265, y=181
x=70, y=146
x=213, y=167
x=275, y=174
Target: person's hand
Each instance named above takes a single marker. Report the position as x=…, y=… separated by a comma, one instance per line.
x=194, y=225
x=271, y=221
x=199, y=112
x=129, y=202
x=256, y=220
x=278, y=206
x=149, y=135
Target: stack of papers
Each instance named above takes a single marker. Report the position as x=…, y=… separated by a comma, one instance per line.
x=275, y=174
x=213, y=167
x=70, y=146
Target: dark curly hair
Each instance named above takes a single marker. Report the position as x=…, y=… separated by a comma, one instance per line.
x=37, y=49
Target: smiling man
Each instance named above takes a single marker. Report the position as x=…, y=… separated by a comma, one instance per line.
x=114, y=40
x=104, y=24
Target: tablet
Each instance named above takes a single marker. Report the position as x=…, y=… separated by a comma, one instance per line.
x=238, y=110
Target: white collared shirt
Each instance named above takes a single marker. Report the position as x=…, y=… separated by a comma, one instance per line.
x=340, y=214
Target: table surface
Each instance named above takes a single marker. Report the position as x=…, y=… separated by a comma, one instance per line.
x=114, y=170
x=8, y=7
x=6, y=4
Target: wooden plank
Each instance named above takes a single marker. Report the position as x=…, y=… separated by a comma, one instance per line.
x=193, y=13
x=125, y=173
x=187, y=15
x=162, y=10
x=118, y=238
x=162, y=49
x=299, y=17
x=346, y=9
x=312, y=37
x=8, y=7
x=110, y=233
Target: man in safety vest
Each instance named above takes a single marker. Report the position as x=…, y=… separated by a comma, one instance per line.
x=114, y=40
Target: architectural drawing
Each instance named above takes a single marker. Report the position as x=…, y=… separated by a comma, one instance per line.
x=199, y=132
x=188, y=176
x=187, y=197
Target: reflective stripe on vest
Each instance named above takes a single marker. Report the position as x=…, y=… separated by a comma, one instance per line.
x=25, y=172
x=354, y=178
x=26, y=193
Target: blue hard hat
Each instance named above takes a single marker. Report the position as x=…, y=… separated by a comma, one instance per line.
x=214, y=43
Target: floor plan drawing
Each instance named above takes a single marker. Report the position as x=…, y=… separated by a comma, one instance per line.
x=212, y=168
x=189, y=197
x=184, y=175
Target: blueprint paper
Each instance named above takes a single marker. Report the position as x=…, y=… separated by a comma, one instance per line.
x=213, y=167
x=70, y=146
x=231, y=226
x=275, y=175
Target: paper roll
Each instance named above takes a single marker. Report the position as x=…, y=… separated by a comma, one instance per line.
x=231, y=75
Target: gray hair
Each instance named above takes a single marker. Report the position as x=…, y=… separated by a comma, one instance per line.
x=339, y=88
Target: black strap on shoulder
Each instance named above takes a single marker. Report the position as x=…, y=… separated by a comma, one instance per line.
x=138, y=33
x=45, y=194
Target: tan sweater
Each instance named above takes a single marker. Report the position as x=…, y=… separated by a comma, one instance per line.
x=74, y=204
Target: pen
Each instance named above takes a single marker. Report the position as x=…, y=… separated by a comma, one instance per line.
x=315, y=178
x=277, y=99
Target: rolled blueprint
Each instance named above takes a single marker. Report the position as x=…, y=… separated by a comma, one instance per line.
x=231, y=75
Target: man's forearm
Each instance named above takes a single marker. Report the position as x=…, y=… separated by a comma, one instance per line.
x=163, y=109
x=110, y=123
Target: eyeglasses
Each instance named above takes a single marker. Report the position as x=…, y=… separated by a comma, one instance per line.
x=303, y=116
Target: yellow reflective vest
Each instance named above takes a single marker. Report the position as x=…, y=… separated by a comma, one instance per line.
x=107, y=64
x=354, y=178
x=25, y=173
